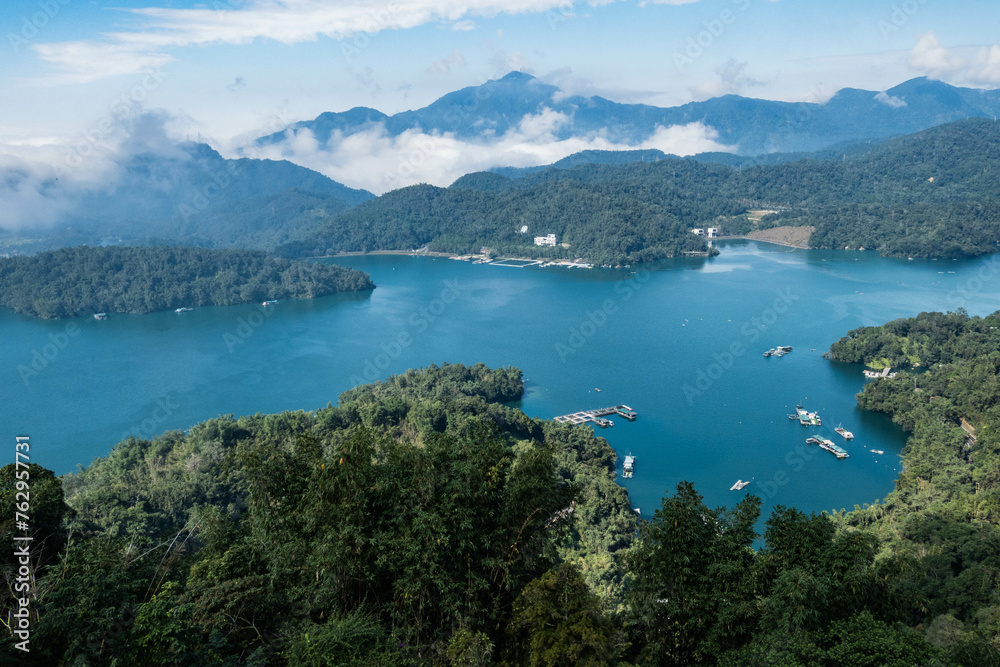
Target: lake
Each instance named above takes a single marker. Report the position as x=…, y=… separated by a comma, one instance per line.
x=681, y=342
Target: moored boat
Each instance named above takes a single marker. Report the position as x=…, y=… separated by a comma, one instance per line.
x=100, y=316
x=844, y=433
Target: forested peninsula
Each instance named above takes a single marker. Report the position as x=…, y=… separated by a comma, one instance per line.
x=423, y=520
x=87, y=280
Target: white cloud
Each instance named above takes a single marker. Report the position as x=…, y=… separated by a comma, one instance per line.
x=445, y=65
x=987, y=67
x=287, y=21
x=375, y=161
x=964, y=65
x=929, y=57
x=82, y=62
x=29, y=193
x=467, y=24
x=890, y=100
x=42, y=179
x=732, y=79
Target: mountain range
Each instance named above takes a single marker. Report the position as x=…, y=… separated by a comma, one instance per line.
x=753, y=126
x=189, y=194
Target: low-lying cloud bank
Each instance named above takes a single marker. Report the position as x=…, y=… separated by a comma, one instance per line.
x=376, y=161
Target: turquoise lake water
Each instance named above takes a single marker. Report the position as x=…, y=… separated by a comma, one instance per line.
x=680, y=342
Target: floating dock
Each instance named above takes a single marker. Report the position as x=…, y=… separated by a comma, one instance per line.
x=597, y=416
x=828, y=445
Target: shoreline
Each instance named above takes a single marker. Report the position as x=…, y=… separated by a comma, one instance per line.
x=467, y=257
x=751, y=238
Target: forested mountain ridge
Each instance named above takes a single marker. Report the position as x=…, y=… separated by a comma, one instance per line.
x=929, y=194
x=84, y=281
x=188, y=194
x=754, y=126
x=422, y=521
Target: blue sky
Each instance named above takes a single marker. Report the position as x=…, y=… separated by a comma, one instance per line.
x=227, y=70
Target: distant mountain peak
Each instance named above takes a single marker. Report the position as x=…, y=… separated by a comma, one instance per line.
x=515, y=76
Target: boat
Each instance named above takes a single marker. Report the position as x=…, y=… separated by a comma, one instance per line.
x=739, y=485
x=844, y=433
x=637, y=511
x=628, y=466
x=182, y=310
x=100, y=316
x=769, y=352
x=785, y=348
x=268, y=303
x=876, y=451
x=596, y=389
x=603, y=423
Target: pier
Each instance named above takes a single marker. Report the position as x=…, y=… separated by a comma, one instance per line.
x=597, y=416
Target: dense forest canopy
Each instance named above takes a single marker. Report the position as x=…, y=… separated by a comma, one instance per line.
x=945, y=510
x=425, y=521
x=929, y=194
x=83, y=281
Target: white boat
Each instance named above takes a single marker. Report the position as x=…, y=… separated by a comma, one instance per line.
x=739, y=485
x=183, y=310
x=628, y=466
x=847, y=435
x=100, y=316
x=268, y=303
x=876, y=451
